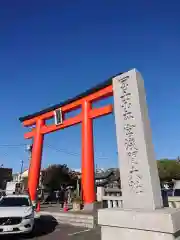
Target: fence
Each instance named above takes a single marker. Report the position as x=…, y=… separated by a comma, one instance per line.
x=112, y=198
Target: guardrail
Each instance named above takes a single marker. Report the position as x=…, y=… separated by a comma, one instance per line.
x=117, y=202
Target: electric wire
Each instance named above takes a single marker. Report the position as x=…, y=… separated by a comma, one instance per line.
x=62, y=150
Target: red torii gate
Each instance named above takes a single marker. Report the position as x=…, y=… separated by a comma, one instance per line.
x=85, y=117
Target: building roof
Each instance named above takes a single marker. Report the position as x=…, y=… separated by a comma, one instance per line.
x=103, y=175
x=111, y=172
x=25, y=173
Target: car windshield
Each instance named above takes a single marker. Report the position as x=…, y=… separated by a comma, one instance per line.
x=14, y=202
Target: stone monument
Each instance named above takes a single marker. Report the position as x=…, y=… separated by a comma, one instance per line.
x=142, y=215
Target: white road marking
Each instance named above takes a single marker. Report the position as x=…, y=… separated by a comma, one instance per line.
x=71, y=234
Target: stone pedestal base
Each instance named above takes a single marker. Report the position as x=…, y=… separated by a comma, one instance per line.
x=121, y=224
x=90, y=207
x=76, y=206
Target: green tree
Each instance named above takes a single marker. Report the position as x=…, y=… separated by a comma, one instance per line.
x=56, y=175
x=168, y=169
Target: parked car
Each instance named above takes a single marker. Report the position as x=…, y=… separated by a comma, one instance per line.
x=16, y=214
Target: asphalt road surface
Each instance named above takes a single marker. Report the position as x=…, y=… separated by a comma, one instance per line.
x=47, y=228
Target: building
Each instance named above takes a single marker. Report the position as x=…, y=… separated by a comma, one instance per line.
x=23, y=177
x=108, y=178
x=17, y=177
x=5, y=176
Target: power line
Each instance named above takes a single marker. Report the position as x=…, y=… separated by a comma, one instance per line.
x=72, y=153
x=9, y=153
x=63, y=150
x=13, y=145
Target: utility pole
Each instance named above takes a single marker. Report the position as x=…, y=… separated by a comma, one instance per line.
x=96, y=168
x=21, y=171
x=29, y=150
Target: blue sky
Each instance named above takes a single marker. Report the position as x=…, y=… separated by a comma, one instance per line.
x=53, y=50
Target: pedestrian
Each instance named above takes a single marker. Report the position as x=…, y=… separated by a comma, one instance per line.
x=57, y=196
x=66, y=194
x=61, y=197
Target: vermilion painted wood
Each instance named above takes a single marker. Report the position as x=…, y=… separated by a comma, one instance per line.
x=87, y=175
x=103, y=93
x=86, y=119
x=35, y=165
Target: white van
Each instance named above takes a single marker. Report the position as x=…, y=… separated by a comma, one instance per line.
x=13, y=188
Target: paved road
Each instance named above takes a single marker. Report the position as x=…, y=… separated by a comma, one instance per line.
x=47, y=229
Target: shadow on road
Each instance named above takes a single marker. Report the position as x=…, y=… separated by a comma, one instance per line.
x=43, y=226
